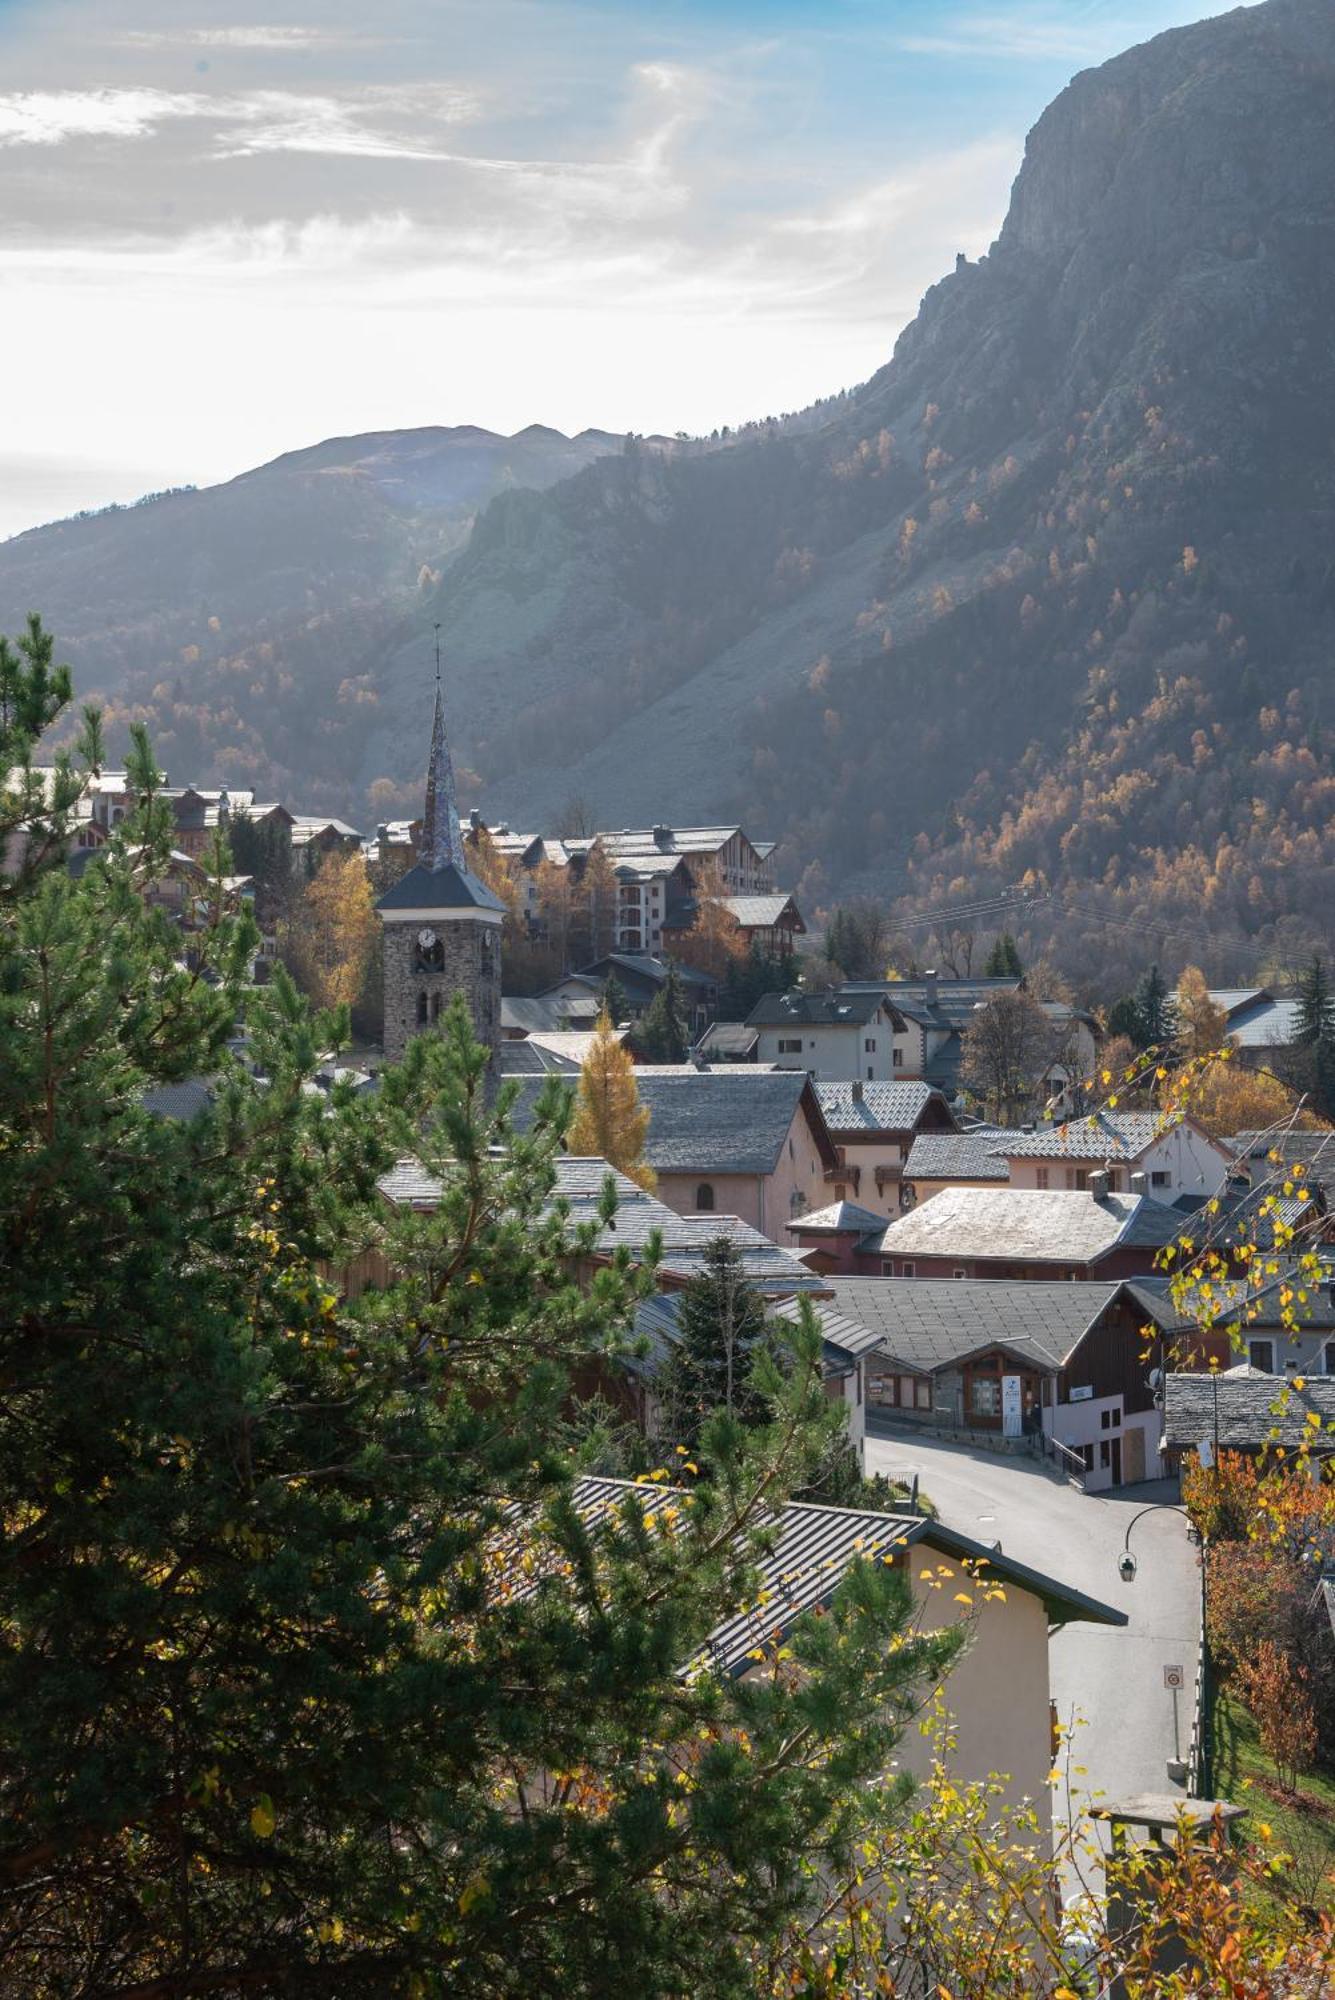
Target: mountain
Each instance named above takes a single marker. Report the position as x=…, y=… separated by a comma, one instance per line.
x=232, y=615
x=1050, y=601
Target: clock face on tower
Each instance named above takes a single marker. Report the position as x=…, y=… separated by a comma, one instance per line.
x=426, y=938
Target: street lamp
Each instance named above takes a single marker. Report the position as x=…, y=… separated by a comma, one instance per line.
x=1126, y=1562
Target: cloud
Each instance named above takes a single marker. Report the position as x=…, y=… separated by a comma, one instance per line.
x=48, y=117
x=1028, y=36
x=269, y=120
x=270, y=38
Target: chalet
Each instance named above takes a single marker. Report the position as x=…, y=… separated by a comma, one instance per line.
x=997, y=1692
x=743, y=866
x=875, y=1126
x=1171, y=1159
x=771, y=923
x=836, y=1036
x=1072, y=1361
x=753, y=1142
x=978, y=1232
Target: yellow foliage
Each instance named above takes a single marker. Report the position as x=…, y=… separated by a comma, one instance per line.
x=609, y=1119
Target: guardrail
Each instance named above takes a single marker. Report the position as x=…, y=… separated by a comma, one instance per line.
x=1198, y=1749
x=1066, y=1461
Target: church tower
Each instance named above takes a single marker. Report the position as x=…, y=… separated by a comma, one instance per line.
x=442, y=927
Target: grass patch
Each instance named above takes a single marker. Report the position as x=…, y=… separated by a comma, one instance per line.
x=1302, y=1823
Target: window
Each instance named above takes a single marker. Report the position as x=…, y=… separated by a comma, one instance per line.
x=790, y=1048
x=985, y=1396
x=435, y=1006
x=704, y=1199
x=907, y=1268
x=959, y=1272
x=1076, y=1177
x=1110, y=1420
x=924, y=1394
x=871, y=1074
x=1261, y=1354
x=1086, y=1452
x=421, y=1010
x=1105, y=1455
x=1328, y=1357
x=869, y=1044
x=897, y=1059
x=906, y=1392
x=1041, y=1177
x=1160, y=1178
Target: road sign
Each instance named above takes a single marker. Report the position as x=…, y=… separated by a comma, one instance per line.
x=1173, y=1677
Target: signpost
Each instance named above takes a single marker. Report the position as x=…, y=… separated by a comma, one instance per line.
x=1173, y=1680
x=1012, y=1409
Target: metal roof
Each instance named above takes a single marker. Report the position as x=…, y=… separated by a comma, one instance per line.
x=1035, y=1225
x=936, y=1323
x=874, y=1107
x=955, y=1156
x=1246, y=1413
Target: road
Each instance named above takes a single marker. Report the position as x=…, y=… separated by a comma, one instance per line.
x=1107, y=1680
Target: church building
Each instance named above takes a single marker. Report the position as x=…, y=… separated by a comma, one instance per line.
x=442, y=927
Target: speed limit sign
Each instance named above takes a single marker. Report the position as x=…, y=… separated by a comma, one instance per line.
x=1173, y=1677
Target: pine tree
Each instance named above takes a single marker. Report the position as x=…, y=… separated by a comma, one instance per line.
x=662, y=1036
x=1003, y=961
x=608, y=1119
x=615, y=1004
x=721, y=1328
x=1154, y=1018
x=1316, y=1005
x=314, y=1679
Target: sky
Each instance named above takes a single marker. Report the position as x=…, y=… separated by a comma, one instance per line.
x=231, y=228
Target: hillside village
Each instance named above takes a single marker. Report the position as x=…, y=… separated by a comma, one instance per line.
x=693, y=1356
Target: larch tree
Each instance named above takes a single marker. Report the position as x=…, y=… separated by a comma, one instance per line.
x=608, y=1119
x=1201, y=1026
x=315, y=1678
x=333, y=936
x=1225, y=1097
x=715, y=941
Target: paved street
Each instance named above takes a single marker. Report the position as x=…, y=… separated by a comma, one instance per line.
x=1111, y=1677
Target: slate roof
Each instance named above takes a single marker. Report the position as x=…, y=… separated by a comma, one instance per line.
x=840, y=1218
x=1115, y=1135
x=1314, y=1312
x=685, y=1238
x=543, y=1013
x=840, y=1009
x=532, y=1058
x=814, y=1550
x=718, y=1122
x=874, y=1107
x=179, y=1100
x=734, y=1038
x=1033, y=1225
x=642, y=965
x=656, y=1323
x=1253, y=1411
x=848, y=1337
x=955, y=1156
x=761, y=912
x=953, y=1005
x=450, y=888
x=936, y=1323
x=1314, y=1150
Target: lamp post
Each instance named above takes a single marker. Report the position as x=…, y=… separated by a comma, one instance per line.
x=1126, y=1562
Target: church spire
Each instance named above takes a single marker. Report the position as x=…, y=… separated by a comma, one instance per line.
x=441, y=844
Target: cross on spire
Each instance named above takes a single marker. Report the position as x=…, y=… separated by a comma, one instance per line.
x=441, y=844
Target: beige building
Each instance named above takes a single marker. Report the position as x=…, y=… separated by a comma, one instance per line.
x=746, y=1141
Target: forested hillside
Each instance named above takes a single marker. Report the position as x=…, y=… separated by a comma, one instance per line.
x=1049, y=601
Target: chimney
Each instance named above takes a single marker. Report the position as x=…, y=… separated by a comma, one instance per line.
x=663, y=836
x=1139, y=1182
x=1098, y=1184
x=475, y=819
x=857, y=1090
x=929, y=986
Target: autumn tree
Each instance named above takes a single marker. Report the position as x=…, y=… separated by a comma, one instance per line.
x=333, y=933
x=608, y=1119
x=1226, y=1097
x=1200, y=1026
x=316, y=1679
x=715, y=941
x=1278, y=1693
x=1007, y=1046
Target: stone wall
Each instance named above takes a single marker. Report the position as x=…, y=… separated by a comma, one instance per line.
x=471, y=957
